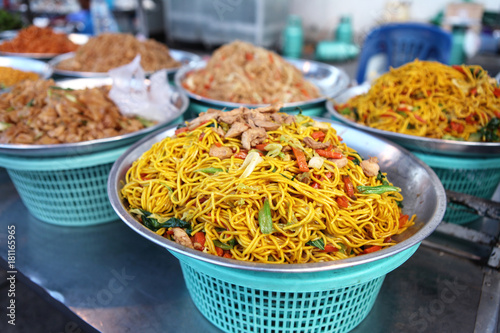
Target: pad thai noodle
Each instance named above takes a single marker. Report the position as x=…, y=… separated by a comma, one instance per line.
x=242, y=73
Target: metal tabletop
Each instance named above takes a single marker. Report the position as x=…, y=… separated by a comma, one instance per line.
x=110, y=279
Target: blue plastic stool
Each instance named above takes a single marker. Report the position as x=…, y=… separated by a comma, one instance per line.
x=82, y=21
x=404, y=42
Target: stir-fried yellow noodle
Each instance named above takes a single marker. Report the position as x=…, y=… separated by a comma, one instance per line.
x=433, y=100
x=224, y=191
x=242, y=73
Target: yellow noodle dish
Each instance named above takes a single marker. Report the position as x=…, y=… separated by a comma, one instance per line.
x=433, y=100
x=258, y=185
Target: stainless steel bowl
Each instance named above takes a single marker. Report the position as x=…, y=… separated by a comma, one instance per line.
x=423, y=195
x=330, y=80
x=28, y=65
x=78, y=39
x=412, y=142
x=85, y=147
x=182, y=56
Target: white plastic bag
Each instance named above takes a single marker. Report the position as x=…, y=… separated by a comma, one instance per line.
x=134, y=97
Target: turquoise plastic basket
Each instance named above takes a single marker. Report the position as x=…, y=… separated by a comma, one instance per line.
x=237, y=300
x=69, y=190
x=475, y=176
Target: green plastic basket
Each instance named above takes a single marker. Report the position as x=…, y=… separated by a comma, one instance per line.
x=68, y=190
x=475, y=176
x=237, y=300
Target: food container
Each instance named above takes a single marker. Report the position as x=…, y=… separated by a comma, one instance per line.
x=78, y=39
x=414, y=143
x=331, y=296
x=467, y=167
x=65, y=184
x=85, y=147
x=182, y=56
x=43, y=70
x=330, y=80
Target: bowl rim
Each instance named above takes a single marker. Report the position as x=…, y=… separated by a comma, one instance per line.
x=83, y=74
x=42, y=68
x=119, y=169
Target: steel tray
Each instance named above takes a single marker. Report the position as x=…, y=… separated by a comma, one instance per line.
x=85, y=147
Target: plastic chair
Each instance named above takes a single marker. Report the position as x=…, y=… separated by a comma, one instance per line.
x=404, y=42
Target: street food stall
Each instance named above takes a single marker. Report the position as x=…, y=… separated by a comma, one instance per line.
x=241, y=170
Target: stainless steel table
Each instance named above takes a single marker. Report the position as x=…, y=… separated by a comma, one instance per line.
x=109, y=279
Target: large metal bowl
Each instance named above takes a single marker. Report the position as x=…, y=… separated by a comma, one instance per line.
x=330, y=80
x=423, y=195
x=413, y=142
x=27, y=65
x=85, y=147
x=78, y=39
x=183, y=57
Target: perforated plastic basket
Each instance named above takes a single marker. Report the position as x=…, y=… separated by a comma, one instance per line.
x=237, y=300
x=69, y=190
x=475, y=176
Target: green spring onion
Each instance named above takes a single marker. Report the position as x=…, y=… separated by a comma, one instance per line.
x=265, y=218
x=377, y=189
x=209, y=170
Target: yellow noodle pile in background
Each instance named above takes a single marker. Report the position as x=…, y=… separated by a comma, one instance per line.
x=10, y=76
x=429, y=99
